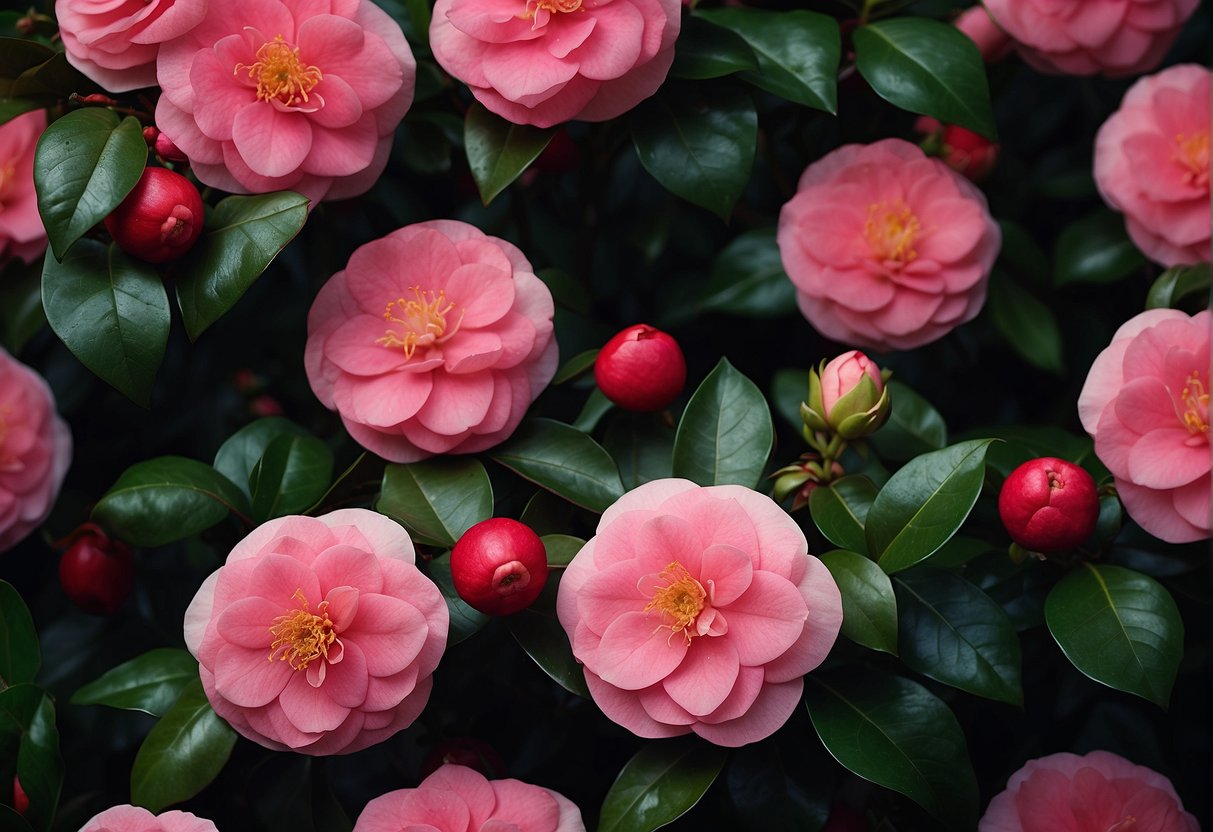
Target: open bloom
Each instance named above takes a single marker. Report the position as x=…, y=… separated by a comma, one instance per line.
x=993, y=43
x=264, y=95
x=114, y=42
x=889, y=249
x=1088, y=37
x=21, y=231
x=698, y=609
x=1152, y=163
x=129, y=818
x=1146, y=403
x=457, y=799
x=1097, y=792
x=35, y=450
x=319, y=635
x=542, y=62
x=434, y=339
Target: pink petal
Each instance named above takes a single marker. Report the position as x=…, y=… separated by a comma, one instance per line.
x=470, y=785
x=279, y=578
x=520, y=71
x=342, y=151
x=481, y=293
x=524, y=806
x=706, y=676
x=341, y=106
x=382, y=535
x=635, y=653
x=667, y=539
x=607, y=595
x=614, y=46
x=247, y=678
x=471, y=352
x=768, y=713
x=1161, y=459
x=247, y=623
x=270, y=142
x=383, y=401
x=390, y=633
x=456, y=402
x=658, y=704
x=623, y=708
x=725, y=573
x=651, y=495
x=766, y=620
x=353, y=348
x=345, y=565
x=308, y=708
x=345, y=682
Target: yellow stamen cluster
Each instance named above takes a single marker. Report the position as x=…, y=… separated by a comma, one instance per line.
x=551, y=6
x=681, y=599
x=891, y=231
x=1193, y=153
x=280, y=74
x=301, y=637
x=1196, y=415
x=422, y=321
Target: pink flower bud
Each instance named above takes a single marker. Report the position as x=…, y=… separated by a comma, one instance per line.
x=160, y=219
x=1049, y=505
x=641, y=369
x=499, y=566
x=993, y=43
x=96, y=571
x=847, y=397
x=843, y=374
x=149, y=136
x=968, y=153
x=168, y=151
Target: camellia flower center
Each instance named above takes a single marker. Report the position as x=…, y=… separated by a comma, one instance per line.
x=301, y=637
x=540, y=11
x=1196, y=400
x=681, y=598
x=280, y=74
x=420, y=322
x=1192, y=152
x=891, y=231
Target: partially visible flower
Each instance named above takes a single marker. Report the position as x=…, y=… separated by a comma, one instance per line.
x=115, y=42
x=889, y=249
x=1146, y=403
x=319, y=634
x=1097, y=792
x=993, y=43
x=1152, y=163
x=457, y=799
x=127, y=818
x=542, y=62
x=21, y=231
x=35, y=450
x=434, y=339
x=1089, y=37
x=847, y=396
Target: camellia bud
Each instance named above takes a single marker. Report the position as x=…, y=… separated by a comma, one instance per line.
x=499, y=566
x=641, y=369
x=1049, y=505
x=20, y=798
x=800, y=478
x=847, y=397
x=168, y=151
x=160, y=219
x=968, y=153
x=96, y=571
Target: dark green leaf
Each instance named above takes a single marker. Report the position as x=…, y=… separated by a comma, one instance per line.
x=242, y=237
x=706, y=51
x=437, y=500
x=725, y=434
x=21, y=313
x=10, y=108
x=927, y=67
x=27, y=722
x=1026, y=324
x=698, y=143
x=643, y=447
x=18, y=55
x=292, y=474
x=150, y=683
x=575, y=366
x=959, y=551
x=10, y=821
x=84, y=165
x=748, y=279
x=242, y=450
x=841, y=509
x=499, y=151
x=164, y=499
x=112, y=313
x=869, y=608
x=788, y=389
x=563, y=460
x=561, y=548
x=182, y=753
x=48, y=82
x=914, y=427
x=19, y=653
x=1120, y=628
x=465, y=621
x=596, y=406
x=660, y=784
x=538, y=632
x=897, y=734
x=1096, y=249
x=1177, y=284
x=924, y=503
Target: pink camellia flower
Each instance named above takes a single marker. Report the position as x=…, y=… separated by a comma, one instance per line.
x=129, y=818
x=698, y=609
x=302, y=94
x=993, y=43
x=318, y=634
x=114, y=42
x=542, y=62
x=1089, y=37
x=1097, y=792
x=35, y=450
x=21, y=231
x=1152, y=163
x=889, y=249
x=457, y=799
x=434, y=339
x=1146, y=403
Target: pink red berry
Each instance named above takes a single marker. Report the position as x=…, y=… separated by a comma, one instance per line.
x=1049, y=505
x=641, y=368
x=96, y=571
x=20, y=798
x=160, y=219
x=499, y=566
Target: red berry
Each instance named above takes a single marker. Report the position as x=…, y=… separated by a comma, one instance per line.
x=464, y=751
x=168, y=151
x=160, y=219
x=641, y=368
x=96, y=571
x=20, y=798
x=1049, y=505
x=969, y=153
x=499, y=566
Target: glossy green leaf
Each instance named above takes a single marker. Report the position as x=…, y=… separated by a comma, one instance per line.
x=914, y=427
x=1119, y=627
x=47, y=82
x=167, y=498
x=954, y=633
x=437, y=499
x=1026, y=324
x=642, y=446
x=182, y=753
x=798, y=52
x=27, y=727
x=923, y=504
x=698, y=143
x=21, y=312
x=705, y=51
x=465, y=621
x=539, y=633
x=790, y=387
x=841, y=509
x=242, y=237
x=499, y=151
x=20, y=656
x=1178, y=284
x=150, y=683
x=725, y=434
x=897, y=734
x=869, y=607
x=928, y=67
x=18, y=55
x=748, y=279
x=241, y=451
x=561, y=549
x=292, y=474
x=84, y=165
x=1096, y=249
x=112, y=313
x=575, y=366
x=596, y=406
x=660, y=784
x=563, y=460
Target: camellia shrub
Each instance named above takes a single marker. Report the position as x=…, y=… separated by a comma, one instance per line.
x=564, y=415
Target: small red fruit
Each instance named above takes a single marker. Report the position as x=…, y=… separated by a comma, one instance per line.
x=96, y=571
x=641, y=368
x=20, y=798
x=499, y=566
x=969, y=153
x=1049, y=505
x=160, y=219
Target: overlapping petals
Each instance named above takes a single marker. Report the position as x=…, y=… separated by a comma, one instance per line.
x=21, y=231
x=129, y=818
